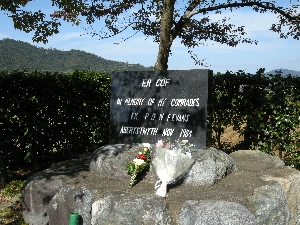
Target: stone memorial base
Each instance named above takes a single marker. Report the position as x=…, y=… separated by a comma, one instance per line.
x=245, y=187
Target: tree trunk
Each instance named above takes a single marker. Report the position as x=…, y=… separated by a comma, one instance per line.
x=3, y=172
x=165, y=35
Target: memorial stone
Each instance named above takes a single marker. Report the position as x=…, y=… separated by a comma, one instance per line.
x=149, y=106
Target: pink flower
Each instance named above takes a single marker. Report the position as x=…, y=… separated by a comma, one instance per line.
x=168, y=145
x=160, y=144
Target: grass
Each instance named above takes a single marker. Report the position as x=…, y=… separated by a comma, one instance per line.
x=12, y=215
x=17, y=177
x=13, y=188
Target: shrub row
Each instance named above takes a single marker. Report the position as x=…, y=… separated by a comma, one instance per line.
x=45, y=117
x=48, y=117
x=264, y=109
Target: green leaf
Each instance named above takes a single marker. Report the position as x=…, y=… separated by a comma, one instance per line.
x=130, y=168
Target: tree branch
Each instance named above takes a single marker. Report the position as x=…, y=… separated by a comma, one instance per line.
x=185, y=19
x=263, y=5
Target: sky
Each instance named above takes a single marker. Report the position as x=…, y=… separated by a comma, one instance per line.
x=270, y=53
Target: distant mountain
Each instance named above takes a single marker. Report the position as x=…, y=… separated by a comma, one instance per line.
x=284, y=72
x=19, y=55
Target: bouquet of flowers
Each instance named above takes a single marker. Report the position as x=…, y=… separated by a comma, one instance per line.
x=139, y=164
x=171, y=162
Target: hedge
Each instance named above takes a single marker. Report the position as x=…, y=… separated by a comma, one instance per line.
x=263, y=108
x=50, y=117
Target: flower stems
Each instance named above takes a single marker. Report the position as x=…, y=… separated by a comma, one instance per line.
x=132, y=178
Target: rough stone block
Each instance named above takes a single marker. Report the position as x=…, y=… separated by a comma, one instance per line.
x=37, y=193
x=210, y=166
x=293, y=197
x=71, y=199
x=131, y=210
x=43, y=186
x=111, y=160
x=284, y=175
x=210, y=212
x=271, y=205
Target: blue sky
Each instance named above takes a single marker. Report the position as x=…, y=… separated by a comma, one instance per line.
x=270, y=53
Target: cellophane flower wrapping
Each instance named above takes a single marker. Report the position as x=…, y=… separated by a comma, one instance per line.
x=170, y=166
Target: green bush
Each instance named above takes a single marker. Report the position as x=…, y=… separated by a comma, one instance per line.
x=13, y=188
x=48, y=117
x=263, y=109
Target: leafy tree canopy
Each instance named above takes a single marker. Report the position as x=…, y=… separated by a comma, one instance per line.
x=163, y=20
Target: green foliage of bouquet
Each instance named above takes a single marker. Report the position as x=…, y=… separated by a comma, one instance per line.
x=140, y=164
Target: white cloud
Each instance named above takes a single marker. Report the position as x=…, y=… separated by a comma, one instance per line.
x=256, y=25
x=2, y=35
x=67, y=36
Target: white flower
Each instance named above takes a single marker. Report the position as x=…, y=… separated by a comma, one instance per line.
x=138, y=162
x=188, y=154
x=146, y=145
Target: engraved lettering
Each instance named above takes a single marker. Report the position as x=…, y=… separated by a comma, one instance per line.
x=119, y=101
x=146, y=83
x=139, y=130
x=161, y=101
x=185, y=133
x=178, y=117
x=162, y=82
x=161, y=116
x=151, y=101
x=147, y=114
x=134, y=101
x=153, y=116
x=168, y=132
x=185, y=102
x=134, y=116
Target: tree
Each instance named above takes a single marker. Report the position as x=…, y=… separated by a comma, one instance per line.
x=163, y=20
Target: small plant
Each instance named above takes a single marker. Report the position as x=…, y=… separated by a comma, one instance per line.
x=12, y=215
x=13, y=188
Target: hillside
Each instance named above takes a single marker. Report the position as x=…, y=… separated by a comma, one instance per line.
x=19, y=55
x=285, y=72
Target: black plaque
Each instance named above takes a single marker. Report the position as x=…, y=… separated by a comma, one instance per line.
x=148, y=106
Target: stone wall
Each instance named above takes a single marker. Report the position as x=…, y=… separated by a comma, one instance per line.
x=245, y=187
